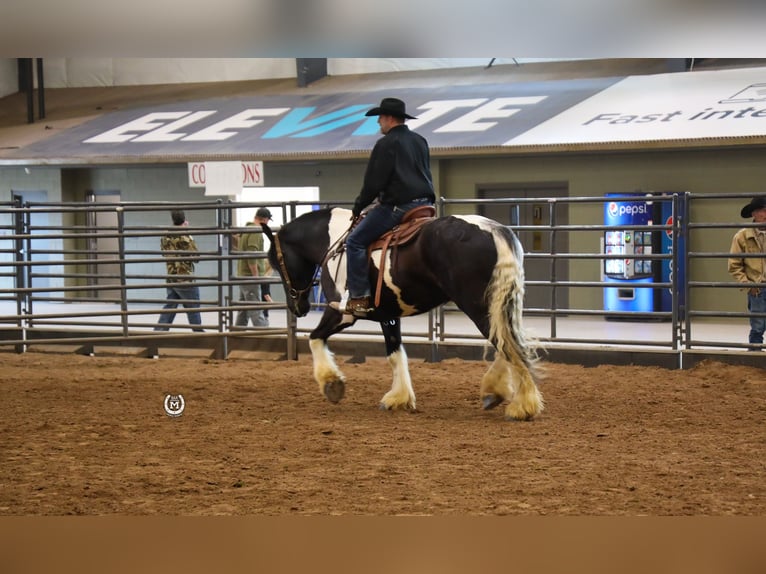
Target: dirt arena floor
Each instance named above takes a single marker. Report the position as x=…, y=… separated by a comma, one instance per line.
x=90, y=435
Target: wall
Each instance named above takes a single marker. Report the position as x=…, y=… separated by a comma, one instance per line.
x=587, y=175
x=9, y=76
x=591, y=175
x=16, y=179
x=337, y=181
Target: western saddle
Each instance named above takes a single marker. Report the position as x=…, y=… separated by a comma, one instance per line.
x=400, y=235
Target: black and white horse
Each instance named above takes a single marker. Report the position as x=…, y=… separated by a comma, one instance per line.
x=473, y=261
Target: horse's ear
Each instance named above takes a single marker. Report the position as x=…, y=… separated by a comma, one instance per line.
x=267, y=231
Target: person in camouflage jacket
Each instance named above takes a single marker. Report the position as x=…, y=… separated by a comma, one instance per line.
x=180, y=275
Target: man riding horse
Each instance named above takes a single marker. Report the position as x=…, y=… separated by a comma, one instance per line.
x=398, y=176
x=471, y=260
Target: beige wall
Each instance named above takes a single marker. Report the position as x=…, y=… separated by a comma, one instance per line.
x=593, y=175
x=585, y=175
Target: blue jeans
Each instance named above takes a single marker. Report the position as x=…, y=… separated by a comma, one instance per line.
x=378, y=220
x=178, y=291
x=757, y=304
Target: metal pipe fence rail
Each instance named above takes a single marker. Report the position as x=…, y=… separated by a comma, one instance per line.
x=67, y=281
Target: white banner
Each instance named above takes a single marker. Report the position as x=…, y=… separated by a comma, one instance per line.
x=680, y=106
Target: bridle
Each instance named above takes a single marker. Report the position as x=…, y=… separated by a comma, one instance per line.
x=334, y=249
x=294, y=293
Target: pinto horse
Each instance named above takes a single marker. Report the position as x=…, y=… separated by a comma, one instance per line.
x=473, y=261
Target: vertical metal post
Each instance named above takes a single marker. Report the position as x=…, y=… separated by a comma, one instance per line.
x=40, y=90
x=29, y=87
x=515, y=215
x=436, y=320
x=27, y=263
x=310, y=70
x=431, y=337
x=21, y=295
x=674, y=295
x=223, y=275
x=683, y=231
x=554, y=302
x=123, y=270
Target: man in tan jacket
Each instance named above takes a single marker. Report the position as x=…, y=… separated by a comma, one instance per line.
x=748, y=248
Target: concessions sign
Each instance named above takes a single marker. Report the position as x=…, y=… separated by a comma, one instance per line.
x=251, y=172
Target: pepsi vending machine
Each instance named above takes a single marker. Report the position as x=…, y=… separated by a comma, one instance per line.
x=626, y=269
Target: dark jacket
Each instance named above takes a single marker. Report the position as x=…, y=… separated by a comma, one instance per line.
x=399, y=170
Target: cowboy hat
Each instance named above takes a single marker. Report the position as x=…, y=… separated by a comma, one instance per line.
x=755, y=203
x=390, y=107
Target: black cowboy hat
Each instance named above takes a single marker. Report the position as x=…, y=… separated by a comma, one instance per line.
x=755, y=203
x=390, y=107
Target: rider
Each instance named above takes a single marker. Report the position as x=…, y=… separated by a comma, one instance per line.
x=398, y=176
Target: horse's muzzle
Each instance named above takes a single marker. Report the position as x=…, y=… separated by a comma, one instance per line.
x=298, y=309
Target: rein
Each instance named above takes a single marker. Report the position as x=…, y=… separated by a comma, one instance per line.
x=337, y=249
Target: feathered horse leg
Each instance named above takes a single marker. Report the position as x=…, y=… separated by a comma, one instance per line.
x=505, y=295
x=331, y=381
x=401, y=395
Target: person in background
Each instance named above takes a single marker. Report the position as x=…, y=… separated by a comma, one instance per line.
x=398, y=177
x=180, y=270
x=746, y=265
x=256, y=267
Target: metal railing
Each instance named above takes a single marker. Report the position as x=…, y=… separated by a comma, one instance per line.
x=65, y=281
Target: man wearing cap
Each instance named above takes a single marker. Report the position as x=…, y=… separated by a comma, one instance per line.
x=256, y=267
x=751, y=241
x=398, y=178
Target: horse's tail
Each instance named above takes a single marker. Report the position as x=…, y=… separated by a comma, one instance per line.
x=505, y=298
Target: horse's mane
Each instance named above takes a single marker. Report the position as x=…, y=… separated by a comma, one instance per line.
x=309, y=231
x=305, y=222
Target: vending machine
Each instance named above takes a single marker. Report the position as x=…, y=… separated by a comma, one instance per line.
x=627, y=270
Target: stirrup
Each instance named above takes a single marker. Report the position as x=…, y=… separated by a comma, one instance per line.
x=359, y=306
